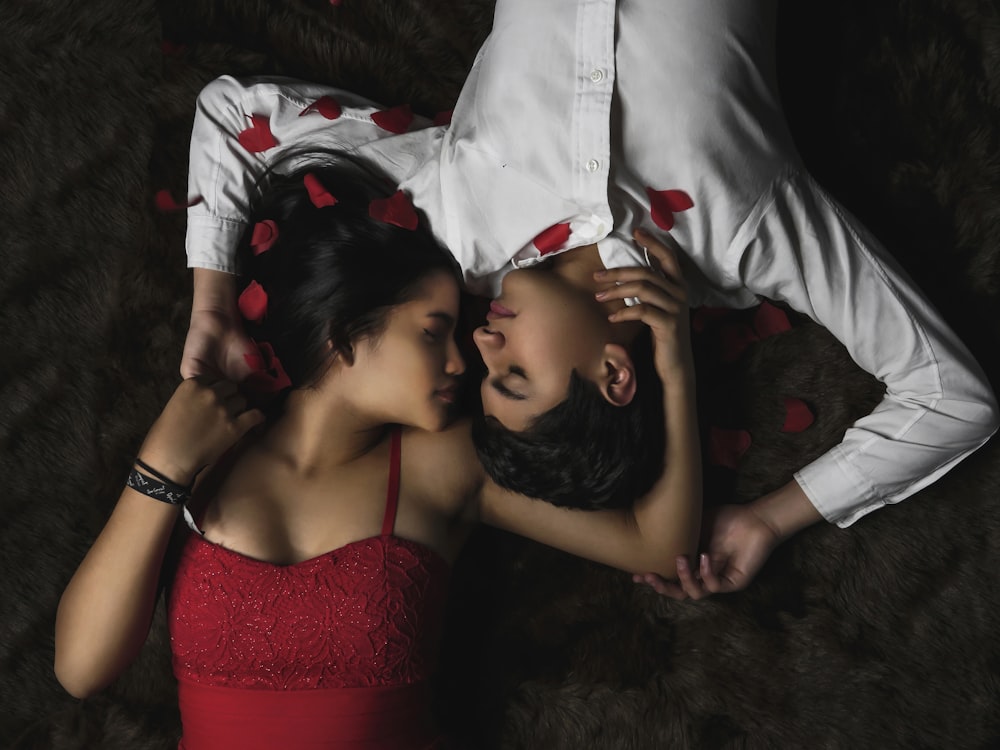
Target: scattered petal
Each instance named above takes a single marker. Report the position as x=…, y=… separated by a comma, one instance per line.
x=664, y=203
x=265, y=234
x=798, y=415
x=733, y=341
x=258, y=136
x=770, y=320
x=318, y=194
x=397, y=210
x=444, y=118
x=268, y=376
x=165, y=201
x=253, y=302
x=726, y=447
x=395, y=120
x=702, y=317
x=326, y=106
x=552, y=239
x=172, y=49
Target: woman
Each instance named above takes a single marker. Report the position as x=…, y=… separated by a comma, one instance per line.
x=304, y=607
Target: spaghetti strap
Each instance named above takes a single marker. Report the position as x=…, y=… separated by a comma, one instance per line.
x=392, y=492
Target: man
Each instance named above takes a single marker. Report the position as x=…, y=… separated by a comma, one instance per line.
x=578, y=123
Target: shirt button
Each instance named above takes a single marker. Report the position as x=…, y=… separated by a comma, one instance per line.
x=593, y=165
x=597, y=75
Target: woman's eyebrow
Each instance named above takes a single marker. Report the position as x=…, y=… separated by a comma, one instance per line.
x=450, y=320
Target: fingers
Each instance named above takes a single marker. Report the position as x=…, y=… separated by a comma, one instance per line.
x=661, y=586
x=665, y=255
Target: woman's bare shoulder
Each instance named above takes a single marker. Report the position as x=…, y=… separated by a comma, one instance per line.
x=443, y=465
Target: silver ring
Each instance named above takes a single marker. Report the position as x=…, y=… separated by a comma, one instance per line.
x=631, y=301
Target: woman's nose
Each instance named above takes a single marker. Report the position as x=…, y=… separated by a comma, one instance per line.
x=456, y=363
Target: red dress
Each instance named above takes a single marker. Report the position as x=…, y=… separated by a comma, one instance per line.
x=332, y=652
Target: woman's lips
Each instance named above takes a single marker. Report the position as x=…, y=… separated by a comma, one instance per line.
x=449, y=394
x=498, y=311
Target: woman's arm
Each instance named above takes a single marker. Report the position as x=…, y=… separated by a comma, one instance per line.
x=666, y=521
x=105, y=611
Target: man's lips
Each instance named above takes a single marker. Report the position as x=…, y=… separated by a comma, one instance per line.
x=498, y=311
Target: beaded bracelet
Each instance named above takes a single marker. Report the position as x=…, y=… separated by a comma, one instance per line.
x=156, y=486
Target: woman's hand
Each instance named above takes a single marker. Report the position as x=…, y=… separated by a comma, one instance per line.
x=662, y=306
x=203, y=419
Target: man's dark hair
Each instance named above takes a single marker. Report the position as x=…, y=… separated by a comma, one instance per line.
x=585, y=452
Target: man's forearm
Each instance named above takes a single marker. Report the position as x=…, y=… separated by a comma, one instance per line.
x=214, y=291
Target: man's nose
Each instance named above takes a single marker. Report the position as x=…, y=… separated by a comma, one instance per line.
x=487, y=340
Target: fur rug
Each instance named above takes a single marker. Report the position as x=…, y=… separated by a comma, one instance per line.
x=880, y=636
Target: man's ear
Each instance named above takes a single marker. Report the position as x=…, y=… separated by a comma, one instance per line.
x=617, y=381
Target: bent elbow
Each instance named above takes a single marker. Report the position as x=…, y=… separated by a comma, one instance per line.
x=73, y=682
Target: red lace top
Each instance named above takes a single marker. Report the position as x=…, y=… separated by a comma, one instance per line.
x=365, y=615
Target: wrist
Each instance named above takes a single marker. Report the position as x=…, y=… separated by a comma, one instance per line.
x=786, y=511
x=214, y=292
x=174, y=471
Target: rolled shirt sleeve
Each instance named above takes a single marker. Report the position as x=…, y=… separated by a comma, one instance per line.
x=224, y=174
x=800, y=247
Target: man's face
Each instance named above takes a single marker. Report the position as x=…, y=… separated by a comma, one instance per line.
x=538, y=331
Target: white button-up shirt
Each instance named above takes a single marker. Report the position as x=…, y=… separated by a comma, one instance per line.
x=602, y=116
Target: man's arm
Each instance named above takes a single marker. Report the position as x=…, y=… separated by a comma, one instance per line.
x=241, y=130
x=807, y=251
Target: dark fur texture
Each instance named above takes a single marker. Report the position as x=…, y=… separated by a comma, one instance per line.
x=881, y=636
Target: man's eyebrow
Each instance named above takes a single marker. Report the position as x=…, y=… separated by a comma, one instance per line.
x=506, y=392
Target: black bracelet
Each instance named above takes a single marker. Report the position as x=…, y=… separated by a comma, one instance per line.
x=157, y=486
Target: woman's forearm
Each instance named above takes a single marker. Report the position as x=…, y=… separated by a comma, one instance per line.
x=105, y=611
x=668, y=518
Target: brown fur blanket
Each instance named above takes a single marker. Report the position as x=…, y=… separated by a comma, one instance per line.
x=880, y=636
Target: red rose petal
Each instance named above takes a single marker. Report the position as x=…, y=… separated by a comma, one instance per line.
x=318, y=194
x=733, y=341
x=253, y=302
x=265, y=234
x=798, y=415
x=268, y=376
x=326, y=106
x=770, y=320
x=443, y=118
x=663, y=204
x=258, y=136
x=397, y=210
x=165, y=201
x=395, y=120
x=172, y=49
x=552, y=238
x=702, y=317
x=726, y=447
x=335, y=2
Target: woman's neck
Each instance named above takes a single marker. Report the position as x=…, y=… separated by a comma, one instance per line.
x=318, y=431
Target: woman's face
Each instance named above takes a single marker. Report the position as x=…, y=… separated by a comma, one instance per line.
x=409, y=374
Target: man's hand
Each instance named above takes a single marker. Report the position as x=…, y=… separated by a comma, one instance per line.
x=738, y=540
x=215, y=346
x=216, y=342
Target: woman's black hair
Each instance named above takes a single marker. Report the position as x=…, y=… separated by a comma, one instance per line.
x=584, y=452
x=334, y=272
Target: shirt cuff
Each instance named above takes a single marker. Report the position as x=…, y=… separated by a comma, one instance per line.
x=837, y=490
x=211, y=243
